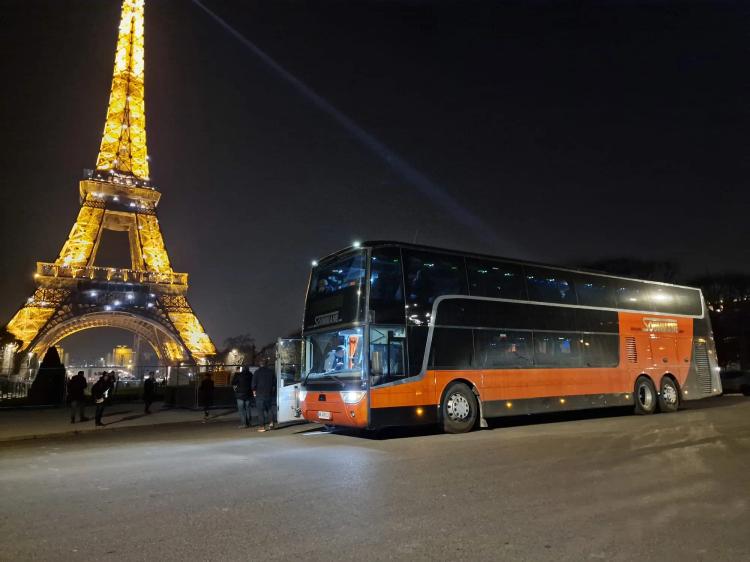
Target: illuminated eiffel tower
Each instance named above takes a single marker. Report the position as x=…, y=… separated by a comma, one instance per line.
x=148, y=299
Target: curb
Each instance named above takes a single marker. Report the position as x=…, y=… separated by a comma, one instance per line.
x=72, y=432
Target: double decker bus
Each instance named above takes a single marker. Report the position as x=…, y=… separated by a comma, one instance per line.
x=398, y=334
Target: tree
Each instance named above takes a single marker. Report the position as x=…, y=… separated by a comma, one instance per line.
x=239, y=350
x=49, y=384
x=7, y=338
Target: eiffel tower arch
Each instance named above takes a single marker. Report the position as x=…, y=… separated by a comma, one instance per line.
x=149, y=298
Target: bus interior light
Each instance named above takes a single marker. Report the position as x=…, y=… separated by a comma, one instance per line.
x=352, y=396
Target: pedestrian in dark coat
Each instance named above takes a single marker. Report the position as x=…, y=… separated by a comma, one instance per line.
x=149, y=390
x=76, y=387
x=242, y=385
x=100, y=393
x=206, y=394
x=264, y=390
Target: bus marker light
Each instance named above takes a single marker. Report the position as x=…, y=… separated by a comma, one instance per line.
x=562, y=400
x=509, y=404
x=420, y=411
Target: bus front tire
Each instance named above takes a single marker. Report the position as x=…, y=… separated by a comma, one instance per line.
x=459, y=409
x=669, y=396
x=645, y=396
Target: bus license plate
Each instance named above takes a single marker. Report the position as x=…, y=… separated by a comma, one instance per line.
x=324, y=415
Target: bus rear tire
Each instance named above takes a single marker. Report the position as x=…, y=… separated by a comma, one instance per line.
x=669, y=396
x=459, y=409
x=645, y=396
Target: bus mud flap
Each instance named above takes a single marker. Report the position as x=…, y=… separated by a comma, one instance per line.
x=482, y=421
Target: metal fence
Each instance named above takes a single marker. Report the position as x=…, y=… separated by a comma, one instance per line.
x=177, y=386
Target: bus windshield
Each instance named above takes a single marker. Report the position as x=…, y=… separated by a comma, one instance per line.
x=335, y=355
x=336, y=294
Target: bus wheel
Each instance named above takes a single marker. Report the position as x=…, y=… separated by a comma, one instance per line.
x=645, y=396
x=459, y=409
x=669, y=397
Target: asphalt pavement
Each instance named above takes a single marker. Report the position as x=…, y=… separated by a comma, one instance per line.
x=580, y=486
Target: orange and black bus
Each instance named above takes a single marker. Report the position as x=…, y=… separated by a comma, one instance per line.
x=398, y=334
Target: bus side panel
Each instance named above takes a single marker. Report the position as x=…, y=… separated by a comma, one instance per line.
x=656, y=353
x=542, y=383
x=407, y=403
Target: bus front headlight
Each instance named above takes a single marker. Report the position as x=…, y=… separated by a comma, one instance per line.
x=301, y=394
x=352, y=396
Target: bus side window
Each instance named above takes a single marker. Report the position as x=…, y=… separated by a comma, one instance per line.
x=502, y=349
x=600, y=350
x=386, y=286
x=556, y=350
x=593, y=290
x=452, y=348
x=549, y=285
x=631, y=295
x=429, y=276
x=387, y=354
x=497, y=280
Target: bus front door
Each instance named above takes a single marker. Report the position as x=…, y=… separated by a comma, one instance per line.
x=288, y=378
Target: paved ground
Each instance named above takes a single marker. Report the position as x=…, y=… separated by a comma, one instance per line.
x=27, y=423
x=573, y=487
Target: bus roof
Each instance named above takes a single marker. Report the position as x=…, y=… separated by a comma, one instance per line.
x=422, y=247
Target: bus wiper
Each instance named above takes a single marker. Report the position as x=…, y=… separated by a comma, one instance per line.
x=338, y=380
x=334, y=377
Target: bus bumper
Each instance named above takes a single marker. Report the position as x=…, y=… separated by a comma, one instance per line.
x=329, y=408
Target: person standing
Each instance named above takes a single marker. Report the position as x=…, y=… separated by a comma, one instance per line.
x=100, y=392
x=149, y=390
x=264, y=390
x=76, y=387
x=206, y=394
x=242, y=385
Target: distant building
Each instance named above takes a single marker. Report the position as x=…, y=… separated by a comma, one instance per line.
x=122, y=356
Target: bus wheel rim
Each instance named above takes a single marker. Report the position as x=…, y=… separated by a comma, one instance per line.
x=669, y=394
x=645, y=396
x=458, y=407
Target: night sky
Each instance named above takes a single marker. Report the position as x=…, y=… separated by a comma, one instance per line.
x=575, y=132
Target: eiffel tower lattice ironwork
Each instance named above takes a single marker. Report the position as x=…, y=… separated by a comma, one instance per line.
x=148, y=299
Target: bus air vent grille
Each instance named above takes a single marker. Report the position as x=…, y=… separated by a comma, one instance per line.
x=631, y=350
x=703, y=367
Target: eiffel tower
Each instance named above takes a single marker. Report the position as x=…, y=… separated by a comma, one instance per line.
x=149, y=299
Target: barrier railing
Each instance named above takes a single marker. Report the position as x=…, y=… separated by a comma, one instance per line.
x=44, y=269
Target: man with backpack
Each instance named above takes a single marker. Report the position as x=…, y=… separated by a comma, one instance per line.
x=76, y=387
x=242, y=386
x=264, y=390
x=100, y=392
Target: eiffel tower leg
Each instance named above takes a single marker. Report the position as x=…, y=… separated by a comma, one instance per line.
x=187, y=325
x=32, y=317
